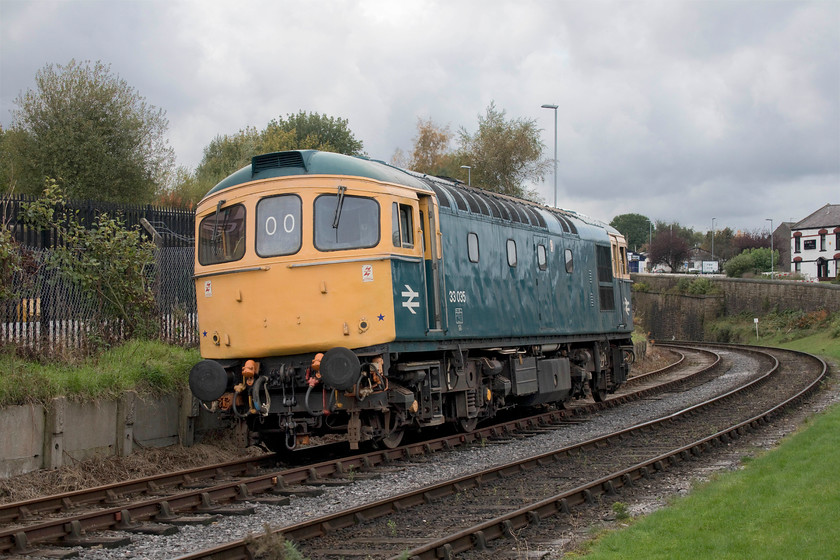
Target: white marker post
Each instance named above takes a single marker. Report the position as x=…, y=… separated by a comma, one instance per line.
x=756, y=327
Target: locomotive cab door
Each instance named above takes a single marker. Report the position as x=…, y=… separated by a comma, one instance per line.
x=432, y=260
x=542, y=277
x=621, y=274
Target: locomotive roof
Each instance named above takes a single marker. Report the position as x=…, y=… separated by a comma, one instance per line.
x=314, y=162
x=451, y=193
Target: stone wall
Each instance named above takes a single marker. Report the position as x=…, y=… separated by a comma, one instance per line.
x=667, y=316
x=671, y=316
x=758, y=296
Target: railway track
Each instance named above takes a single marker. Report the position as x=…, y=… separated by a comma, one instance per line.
x=474, y=511
x=158, y=505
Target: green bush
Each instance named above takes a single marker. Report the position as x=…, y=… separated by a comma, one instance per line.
x=739, y=264
x=641, y=287
x=755, y=261
x=107, y=260
x=10, y=263
x=695, y=287
x=701, y=286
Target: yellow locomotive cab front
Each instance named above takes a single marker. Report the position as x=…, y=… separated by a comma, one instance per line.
x=293, y=265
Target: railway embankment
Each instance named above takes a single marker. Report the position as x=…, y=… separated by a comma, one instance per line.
x=666, y=313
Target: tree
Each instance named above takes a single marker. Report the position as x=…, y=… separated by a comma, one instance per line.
x=228, y=153
x=723, y=243
x=503, y=154
x=635, y=228
x=755, y=239
x=318, y=132
x=91, y=131
x=10, y=157
x=432, y=154
x=669, y=246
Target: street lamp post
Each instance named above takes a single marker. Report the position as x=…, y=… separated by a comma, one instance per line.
x=772, y=271
x=713, y=238
x=469, y=174
x=650, y=242
x=554, y=107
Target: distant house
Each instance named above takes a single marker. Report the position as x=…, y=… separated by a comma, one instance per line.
x=702, y=261
x=815, y=244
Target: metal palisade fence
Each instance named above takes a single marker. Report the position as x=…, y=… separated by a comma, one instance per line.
x=45, y=312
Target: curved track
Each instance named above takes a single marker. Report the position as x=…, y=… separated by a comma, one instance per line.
x=472, y=511
x=197, y=495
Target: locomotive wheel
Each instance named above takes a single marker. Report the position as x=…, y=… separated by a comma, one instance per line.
x=393, y=439
x=394, y=432
x=467, y=425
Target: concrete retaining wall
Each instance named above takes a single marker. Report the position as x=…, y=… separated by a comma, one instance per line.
x=36, y=436
x=21, y=439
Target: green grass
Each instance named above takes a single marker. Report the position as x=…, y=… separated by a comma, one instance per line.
x=814, y=332
x=822, y=344
x=148, y=367
x=784, y=504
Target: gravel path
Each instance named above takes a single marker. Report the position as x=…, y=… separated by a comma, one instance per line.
x=404, y=477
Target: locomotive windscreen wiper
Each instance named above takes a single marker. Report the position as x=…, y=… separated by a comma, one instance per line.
x=341, y=190
x=215, y=227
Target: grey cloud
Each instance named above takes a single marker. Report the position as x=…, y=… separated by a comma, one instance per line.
x=679, y=110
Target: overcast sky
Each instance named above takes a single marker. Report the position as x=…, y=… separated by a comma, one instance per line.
x=677, y=110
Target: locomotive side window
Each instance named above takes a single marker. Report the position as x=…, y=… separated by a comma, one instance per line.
x=472, y=247
x=604, y=264
x=402, y=226
x=511, y=252
x=406, y=226
x=570, y=261
x=346, y=222
x=278, y=225
x=542, y=258
x=221, y=235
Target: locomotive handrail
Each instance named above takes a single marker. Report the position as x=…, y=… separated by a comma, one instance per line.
x=238, y=270
x=360, y=259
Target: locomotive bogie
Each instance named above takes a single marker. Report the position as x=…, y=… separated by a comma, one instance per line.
x=340, y=294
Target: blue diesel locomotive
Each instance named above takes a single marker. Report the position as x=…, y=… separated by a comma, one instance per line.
x=338, y=293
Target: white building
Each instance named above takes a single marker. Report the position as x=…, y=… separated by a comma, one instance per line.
x=815, y=244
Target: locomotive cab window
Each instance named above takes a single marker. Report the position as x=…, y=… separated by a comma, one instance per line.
x=221, y=235
x=570, y=261
x=472, y=247
x=346, y=222
x=402, y=226
x=278, y=225
x=511, y=252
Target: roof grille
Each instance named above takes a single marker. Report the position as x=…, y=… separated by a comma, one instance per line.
x=276, y=160
x=443, y=200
